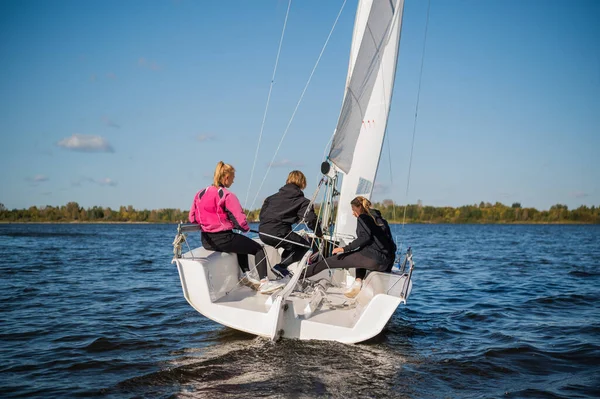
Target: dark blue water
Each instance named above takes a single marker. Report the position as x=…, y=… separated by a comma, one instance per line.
x=496, y=311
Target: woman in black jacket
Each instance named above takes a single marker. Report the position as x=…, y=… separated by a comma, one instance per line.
x=277, y=215
x=373, y=248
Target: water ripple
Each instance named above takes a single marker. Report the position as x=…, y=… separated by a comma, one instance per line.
x=497, y=311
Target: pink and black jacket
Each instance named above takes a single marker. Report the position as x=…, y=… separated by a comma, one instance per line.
x=217, y=209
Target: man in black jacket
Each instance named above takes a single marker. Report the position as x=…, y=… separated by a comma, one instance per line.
x=277, y=215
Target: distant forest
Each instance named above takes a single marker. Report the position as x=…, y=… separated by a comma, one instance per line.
x=483, y=212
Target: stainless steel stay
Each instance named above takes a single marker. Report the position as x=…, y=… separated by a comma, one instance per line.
x=407, y=259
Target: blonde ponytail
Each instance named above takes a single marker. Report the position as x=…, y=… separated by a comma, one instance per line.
x=365, y=205
x=221, y=171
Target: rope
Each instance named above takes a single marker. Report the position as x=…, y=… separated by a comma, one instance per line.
x=298, y=103
x=324, y=159
x=179, y=239
x=412, y=146
x=267, y=106
x=391, y=175
x=321, y=247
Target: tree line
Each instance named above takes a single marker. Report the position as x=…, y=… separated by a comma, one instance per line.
x=483, y=212
x=72, y=212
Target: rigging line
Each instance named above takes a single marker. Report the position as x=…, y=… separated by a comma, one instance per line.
x=325, y=154
x=322, y=246
x=299, y=101
x=267, y=106
x=312, y=242
x=412, y=146
x=328, y=144
x=391, y=175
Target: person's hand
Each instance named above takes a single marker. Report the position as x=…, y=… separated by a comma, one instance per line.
x=338, y=250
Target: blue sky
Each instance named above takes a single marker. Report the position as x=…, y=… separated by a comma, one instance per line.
x=133, y=102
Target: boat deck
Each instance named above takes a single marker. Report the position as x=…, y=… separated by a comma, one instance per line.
x=335, y=309
x=245, y=298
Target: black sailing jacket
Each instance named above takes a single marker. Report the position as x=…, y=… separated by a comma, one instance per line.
x=284, y=208
x=386, y=228
x=372, y=240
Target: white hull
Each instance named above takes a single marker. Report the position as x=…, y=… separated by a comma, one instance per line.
x=210, y=284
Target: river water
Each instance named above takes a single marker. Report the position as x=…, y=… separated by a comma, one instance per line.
x=506, y=311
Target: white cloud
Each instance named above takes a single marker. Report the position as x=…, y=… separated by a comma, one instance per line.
x=86, y=143
x=107, y=181
x=36, y=180
x=205, y=137
x=380, y=188
x=110, y=123
x=579, y=194
x=285, y=163
x=39, y=178
x=77, y=183
x=144, y=63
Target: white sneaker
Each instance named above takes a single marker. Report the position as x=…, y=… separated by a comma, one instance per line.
x=354, y=289
x=250, y=281
x=268, y=287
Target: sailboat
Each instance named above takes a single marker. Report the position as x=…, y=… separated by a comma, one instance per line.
x=315, y=308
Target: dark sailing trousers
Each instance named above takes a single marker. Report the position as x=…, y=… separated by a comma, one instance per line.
x=292, y=253
x=228, y=241
x=361, y=273
x=352, y=260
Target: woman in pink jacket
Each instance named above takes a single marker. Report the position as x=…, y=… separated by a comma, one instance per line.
x=218, y=211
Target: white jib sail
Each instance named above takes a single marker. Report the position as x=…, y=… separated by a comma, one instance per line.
x=358, y=140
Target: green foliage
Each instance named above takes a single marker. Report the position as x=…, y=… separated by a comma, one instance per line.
x=487, y=213
x=252, y=216
x=484, y=212
x=72, y=212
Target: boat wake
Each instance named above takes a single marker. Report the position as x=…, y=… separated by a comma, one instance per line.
x=262, y=368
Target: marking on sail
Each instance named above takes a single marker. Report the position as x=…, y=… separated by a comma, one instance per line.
x=364, y=186
x=368, y=122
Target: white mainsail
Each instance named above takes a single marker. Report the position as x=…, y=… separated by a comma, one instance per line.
x=358, y=140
